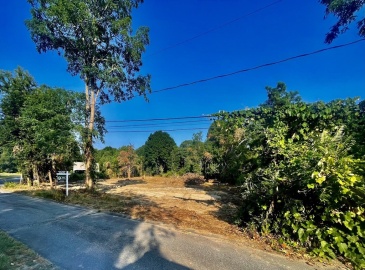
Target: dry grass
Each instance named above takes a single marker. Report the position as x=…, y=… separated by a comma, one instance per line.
x=15, y=255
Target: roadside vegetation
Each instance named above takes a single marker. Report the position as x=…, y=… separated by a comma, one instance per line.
x=15, y=255
x=298, y=168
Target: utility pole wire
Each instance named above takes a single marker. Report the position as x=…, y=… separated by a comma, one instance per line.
x=213, y=29
x=145, y=131
x=164, y=124
x=257, y=67
x=159, y=119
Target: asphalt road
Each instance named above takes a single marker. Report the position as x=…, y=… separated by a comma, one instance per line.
x=78, y=238
x=9, y=179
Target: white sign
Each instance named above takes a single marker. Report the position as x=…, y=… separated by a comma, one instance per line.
x=63, y=175
x=80, y=166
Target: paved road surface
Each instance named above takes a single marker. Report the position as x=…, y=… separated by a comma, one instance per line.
x=78, y=238
x=9, y=179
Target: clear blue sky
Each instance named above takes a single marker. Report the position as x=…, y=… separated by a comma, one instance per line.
x=285, y=29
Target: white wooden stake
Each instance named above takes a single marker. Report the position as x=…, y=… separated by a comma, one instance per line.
x=66, y=183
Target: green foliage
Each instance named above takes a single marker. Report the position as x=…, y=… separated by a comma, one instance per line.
x=108, y=161
x=98, y=42
x=191, y=155
x=11, y=185
x=158, y=153
x=76, y=176
x=37, y=128
x=14, y=89
x=301, y=169
x=8, y=162
x=52, y=194
x=346, y=12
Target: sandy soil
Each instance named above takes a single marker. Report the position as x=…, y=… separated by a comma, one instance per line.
x=206, y=208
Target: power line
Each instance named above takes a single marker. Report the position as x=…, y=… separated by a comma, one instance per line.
x=159, y=119
x=148, y=131
x=257, y=67
x=162, y=124
x=214, y=29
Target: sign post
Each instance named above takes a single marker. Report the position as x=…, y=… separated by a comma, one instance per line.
x=63, y=176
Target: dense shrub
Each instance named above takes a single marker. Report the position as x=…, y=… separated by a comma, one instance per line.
x=312, y=193
x=301, y=168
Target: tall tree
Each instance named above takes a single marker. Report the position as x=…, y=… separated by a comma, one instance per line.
x=36, y=124
x=192, y=154
x=97, y=41
x=158, y=152
x=14, y=89
x=346, y=11
x=47, y=131
x=127, y=159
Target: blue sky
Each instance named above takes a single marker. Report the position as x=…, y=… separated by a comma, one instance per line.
x=286, y=28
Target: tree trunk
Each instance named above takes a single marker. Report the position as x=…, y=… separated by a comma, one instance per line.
x=35, y=172
x=90, y=108
x=129, y=171
x=50, y=178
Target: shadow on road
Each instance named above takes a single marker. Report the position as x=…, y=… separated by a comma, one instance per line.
x=145, y=250
x=77, y=238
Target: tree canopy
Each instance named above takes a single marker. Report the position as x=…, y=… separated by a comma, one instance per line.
x=36, y=124
x=346, y=12
x=98, y=42
x=158, y=151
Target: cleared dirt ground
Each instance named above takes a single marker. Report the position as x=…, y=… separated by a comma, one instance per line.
x=205, y=207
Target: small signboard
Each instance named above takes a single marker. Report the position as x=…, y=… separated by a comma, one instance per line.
x=62, y=176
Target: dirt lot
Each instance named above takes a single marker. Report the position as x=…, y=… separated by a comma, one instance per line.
x=206, y=208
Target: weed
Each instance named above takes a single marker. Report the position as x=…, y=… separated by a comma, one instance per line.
x=14, y=255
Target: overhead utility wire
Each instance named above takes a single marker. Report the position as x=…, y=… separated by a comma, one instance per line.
x=142, y=131
x=257, y=67
x=164, y=124
x=213, y=29
x=159, y=119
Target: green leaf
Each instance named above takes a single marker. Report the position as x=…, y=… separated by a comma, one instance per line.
x=320, y=180
x=342, y=247
x=324, y=244
x=300, y=235
x=310, y=186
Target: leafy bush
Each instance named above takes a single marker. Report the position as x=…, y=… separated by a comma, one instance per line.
x=101, y=175
x=302, y=176
x=53, y=194
x=313, y=193
x=11, y=185
x=77, y=176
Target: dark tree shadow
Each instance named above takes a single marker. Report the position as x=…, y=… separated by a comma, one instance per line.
x=129, y=182
x=227, y=196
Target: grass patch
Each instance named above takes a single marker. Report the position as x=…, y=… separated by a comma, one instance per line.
x=15, y=255
x=12, y=185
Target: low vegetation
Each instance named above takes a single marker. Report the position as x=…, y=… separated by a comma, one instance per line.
x=14, y=255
